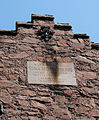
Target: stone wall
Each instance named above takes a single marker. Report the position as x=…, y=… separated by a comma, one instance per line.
x=29, y=42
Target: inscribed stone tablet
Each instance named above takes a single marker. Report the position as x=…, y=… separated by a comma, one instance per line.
x=51, y=73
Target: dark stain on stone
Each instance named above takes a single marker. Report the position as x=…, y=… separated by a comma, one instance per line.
x=53, y=67
x=1, y=109
x=45, y=32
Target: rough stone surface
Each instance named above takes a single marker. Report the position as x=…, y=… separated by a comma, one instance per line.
x=24, y=101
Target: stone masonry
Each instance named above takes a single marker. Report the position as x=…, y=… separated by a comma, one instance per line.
x=46, y=41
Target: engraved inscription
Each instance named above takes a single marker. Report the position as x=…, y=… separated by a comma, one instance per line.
x=51, y=73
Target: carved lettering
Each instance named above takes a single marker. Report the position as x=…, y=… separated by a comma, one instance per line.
x=45, y=73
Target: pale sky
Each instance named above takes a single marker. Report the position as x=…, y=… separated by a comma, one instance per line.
x=83, y=15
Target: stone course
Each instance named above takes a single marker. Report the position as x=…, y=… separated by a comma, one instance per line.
x=24, y=101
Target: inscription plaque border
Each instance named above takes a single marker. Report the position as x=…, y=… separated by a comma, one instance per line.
x=51, y=73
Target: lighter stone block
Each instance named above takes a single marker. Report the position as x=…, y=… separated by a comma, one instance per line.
x=51, y=73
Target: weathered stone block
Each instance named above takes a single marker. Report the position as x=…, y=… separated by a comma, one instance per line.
x=38, y=105
x=86, y=75
x=18, y=55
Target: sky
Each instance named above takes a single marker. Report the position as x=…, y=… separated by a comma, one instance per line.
x=82, y=15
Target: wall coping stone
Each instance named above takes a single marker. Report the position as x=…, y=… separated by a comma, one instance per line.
x=24, y=24
x=64, y=26
x=95, y=46
x=8, y=32
x=83, y=36
x=42, y=17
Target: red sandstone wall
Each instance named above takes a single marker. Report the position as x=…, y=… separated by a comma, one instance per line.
x=22, y=101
